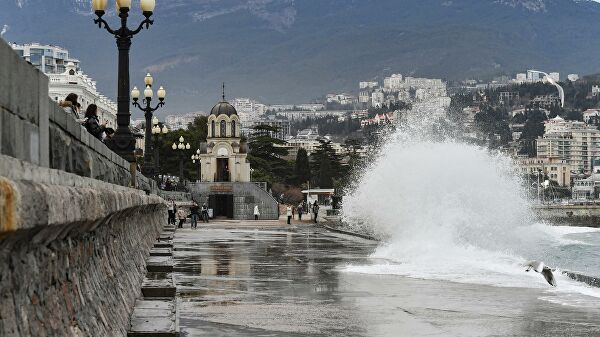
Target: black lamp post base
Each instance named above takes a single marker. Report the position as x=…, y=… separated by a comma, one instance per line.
x=123, y=145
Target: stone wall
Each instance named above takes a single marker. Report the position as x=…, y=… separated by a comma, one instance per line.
x=72, y=251
x=73, y=235
x=35, y=129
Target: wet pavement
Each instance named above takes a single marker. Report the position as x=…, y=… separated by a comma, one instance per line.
x=243, y=279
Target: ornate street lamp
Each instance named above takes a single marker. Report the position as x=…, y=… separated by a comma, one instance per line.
x=196, y=160
x=123, y=141
x=147, y=168
x=180, y=148
x=158, y=131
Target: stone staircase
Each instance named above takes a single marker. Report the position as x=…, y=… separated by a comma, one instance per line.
x=155, y=313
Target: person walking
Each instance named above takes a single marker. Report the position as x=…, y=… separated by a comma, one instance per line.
x=171, y=209
x=315, y=209
x=289, y=215
x=256, y=212
x=181, y=216
x=195, y=214
x=204, y=213
x=300, y=210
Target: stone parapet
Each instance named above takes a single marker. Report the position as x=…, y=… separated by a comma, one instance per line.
x=35, y=129
x=72, y=251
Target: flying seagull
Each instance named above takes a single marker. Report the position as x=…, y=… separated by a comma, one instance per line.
x=542, y=269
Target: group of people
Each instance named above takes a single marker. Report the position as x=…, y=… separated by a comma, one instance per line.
x=91, y=121
x=303, y=208
x=179, y=213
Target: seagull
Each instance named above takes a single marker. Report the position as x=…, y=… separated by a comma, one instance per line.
x=539, y=267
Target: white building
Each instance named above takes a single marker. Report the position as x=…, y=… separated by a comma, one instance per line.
x=521, y=78
x=555, y=77
x=47, y=58
x=533, y=76
x=377, y=98
x=573, y=77
x=343, y=99
x=65, y=77
x=394, y=82
x=179, y=122
x=556, y=169
x=575, y=142
x=72, y=81
x=368, y=85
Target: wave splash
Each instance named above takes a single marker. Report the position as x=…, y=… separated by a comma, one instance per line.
x=448, y=210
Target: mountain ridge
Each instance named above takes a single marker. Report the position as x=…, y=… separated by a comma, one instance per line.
x=291, y=51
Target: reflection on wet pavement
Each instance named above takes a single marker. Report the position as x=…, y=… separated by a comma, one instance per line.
x=277, y=282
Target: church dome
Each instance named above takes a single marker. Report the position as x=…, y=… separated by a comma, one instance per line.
x=223, y=107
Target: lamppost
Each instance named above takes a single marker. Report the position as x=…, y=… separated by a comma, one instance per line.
x=157, y=131
x=180, y=149
x=147, y=168
x=123, y=142
x=197, y=160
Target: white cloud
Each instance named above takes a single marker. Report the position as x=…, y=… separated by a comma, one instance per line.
x=4, y=30
x=170, y=63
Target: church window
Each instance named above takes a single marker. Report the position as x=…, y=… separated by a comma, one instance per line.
x=223, y=129
x=212, y=129
x=233, y=133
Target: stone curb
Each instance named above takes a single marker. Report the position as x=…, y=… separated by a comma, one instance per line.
x=362, y=236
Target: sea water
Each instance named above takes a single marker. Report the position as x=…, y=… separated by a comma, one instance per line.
x=458, y=212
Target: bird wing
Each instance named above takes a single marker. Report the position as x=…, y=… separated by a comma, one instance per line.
x=547, y=272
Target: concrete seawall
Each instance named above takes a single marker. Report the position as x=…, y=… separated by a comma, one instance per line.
x=571, y=215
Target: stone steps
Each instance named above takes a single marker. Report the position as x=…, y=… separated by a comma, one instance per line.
x=158, y=285
x=159, y=264
x=155, y=315
x=161, y=252
x=163, y=244
x=154, y=318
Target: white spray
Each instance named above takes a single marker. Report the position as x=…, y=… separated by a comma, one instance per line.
x=446, y=210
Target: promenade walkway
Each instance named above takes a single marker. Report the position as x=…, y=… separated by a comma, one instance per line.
x=268, y=279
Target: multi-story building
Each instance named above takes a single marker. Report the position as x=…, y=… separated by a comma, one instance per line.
x=377, y=98
x=368, y=85
x=555, y=77
x=364, y=97
x=575, y=142
x=282, y=125
x=394, y=82
x=65, y=77
x=545, y=101
x=521, y=78
x=303, y=115
x=533, y=76
x=47, y=58
x=343, y=99
x=509, y=97
x=556, y=169
x=308, y=139
x=72, y=81
x=179, y=122
x=573, y=77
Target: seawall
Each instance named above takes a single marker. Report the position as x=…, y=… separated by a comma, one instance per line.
x=77, y=221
